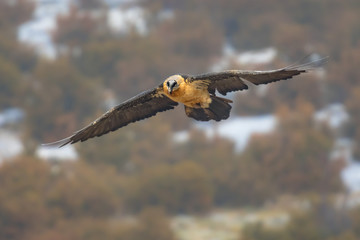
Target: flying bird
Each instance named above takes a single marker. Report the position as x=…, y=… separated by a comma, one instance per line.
x=196, y=92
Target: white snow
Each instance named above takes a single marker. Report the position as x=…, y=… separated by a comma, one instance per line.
x=335, y=115
x=66, y=153
x=262, y=56
x=254, y=57
x=237, y=129
x=240, y=129
x=37, y=31
x=123, y=20
x=11, y=115
x=10, y=145
x=351, y=176
x=181, y=136
x=36, y=34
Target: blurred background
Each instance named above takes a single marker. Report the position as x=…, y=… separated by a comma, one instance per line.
x=284, y=166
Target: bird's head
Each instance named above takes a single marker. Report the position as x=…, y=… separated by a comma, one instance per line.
x=172, y=83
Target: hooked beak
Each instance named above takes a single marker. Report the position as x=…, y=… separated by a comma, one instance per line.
x=171, y=84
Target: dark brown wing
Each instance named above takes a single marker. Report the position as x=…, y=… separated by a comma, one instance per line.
x=144, y=105
x=233, y=80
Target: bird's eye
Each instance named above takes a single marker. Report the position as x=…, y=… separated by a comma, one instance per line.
x=168, y=84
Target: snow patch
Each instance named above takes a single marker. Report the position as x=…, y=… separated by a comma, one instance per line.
x=335, y=115
x=123, y=20
x=11, y=115
x=351, y=176
x=10, y=145
x=262, y=56
x=37, y=32
x=181, y=137
x=255, y=57
x=66, y=153
x=239, y=129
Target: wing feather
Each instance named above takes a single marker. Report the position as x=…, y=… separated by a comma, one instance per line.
x=144, y=105
x=234, y=80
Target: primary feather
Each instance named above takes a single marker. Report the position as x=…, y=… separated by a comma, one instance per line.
x=233, y=80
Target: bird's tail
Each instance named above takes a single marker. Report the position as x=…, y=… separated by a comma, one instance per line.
x=219, y=109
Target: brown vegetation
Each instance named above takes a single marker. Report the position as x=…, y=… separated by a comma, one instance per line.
x=140, y=170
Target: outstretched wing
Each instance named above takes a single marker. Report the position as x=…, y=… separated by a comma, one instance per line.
x=144, y=105
x=233, y=80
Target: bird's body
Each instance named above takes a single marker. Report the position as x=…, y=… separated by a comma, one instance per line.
x=189, y=93
x=197, y=93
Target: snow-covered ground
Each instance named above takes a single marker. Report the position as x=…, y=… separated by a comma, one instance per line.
x=334, y=115
x=123, y=20
x=10, y=145
x=262, y=56
x=254, y=57
x=66, y=153
x=239, y=129
x=10, y=142
x=11, y=116
x=37, y=32
x=351, y=176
